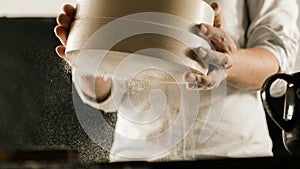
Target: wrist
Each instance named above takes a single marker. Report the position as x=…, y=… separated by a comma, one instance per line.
x=230, y=73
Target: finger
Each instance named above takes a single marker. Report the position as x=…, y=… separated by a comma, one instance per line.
x=218, y=21
x=64, y=20
x=221, y=41
x=60, y=50
x=198, y=81
x=62, y=34
x=212, y=33
x=218, y=59
x=69, y=10
x=218, y=75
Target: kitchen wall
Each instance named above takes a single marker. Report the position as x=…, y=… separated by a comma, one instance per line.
x=32, y=8
x=297, y=68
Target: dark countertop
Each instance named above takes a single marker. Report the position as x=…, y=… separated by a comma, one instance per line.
x=69, y=159
x=225, y=163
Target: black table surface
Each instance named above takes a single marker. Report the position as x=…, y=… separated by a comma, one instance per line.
x=68, y=159
x=261, y=162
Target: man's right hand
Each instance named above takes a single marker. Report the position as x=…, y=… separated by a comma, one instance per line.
x=62, y=29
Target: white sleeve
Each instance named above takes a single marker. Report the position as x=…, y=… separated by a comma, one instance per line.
x=273, y=26
x=107, y=105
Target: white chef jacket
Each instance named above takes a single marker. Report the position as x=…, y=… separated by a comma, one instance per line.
x=242, y=129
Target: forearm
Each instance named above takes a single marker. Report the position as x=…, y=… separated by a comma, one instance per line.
x=250, y=68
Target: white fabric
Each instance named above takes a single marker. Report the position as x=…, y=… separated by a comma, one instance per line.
x=242, y=131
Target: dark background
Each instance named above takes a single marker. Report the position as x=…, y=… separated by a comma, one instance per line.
x=36, y=108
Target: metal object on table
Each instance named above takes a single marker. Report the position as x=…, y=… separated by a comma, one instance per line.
x=286, y=117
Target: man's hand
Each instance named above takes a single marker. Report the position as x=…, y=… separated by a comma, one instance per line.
x=219, y=61
x=64, y=21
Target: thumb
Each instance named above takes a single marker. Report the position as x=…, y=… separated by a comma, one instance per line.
x=218, y=76
x=218, y=22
